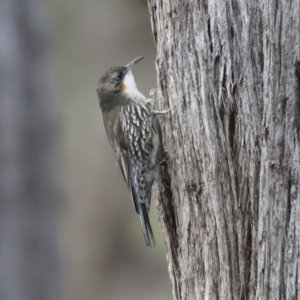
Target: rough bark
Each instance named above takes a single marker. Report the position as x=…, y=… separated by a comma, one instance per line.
x=29, y=264
x=229, y=197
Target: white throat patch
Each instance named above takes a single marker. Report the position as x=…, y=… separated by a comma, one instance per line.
x=130, y=87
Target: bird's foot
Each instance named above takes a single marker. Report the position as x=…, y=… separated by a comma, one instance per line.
x=152, y=98
x=152, y=92
x=162, y=112
x=152, y=101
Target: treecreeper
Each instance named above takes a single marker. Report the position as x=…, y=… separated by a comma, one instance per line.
x=133, y=131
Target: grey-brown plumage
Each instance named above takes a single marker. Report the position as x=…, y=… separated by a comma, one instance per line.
x=134, y=133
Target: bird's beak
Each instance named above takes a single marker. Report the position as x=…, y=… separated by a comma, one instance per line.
x=136, y=60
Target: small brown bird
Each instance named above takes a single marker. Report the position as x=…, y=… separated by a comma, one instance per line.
x=134, y=132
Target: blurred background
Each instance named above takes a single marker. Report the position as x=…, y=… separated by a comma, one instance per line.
x=68, y=229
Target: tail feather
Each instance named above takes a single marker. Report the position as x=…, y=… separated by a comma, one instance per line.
x=142, y=208
x=141, y=180
x=146, y=226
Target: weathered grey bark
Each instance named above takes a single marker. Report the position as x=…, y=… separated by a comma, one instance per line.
x=229, y=202
x=29, y=268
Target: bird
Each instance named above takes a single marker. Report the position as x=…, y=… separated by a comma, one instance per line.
x=134, y=132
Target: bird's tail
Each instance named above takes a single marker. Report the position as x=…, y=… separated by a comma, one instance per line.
x=146, y=226
x=142, y=208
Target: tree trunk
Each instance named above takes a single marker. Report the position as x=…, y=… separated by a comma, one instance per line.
x=29, y=264
x=229, y=192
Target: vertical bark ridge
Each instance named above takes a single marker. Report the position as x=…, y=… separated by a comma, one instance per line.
x=228, y=68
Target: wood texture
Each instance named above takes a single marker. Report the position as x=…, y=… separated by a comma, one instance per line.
x=229, y=193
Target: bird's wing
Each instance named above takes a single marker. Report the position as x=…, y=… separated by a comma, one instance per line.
x=121, y=153
x=134, y=176
x=121, y=147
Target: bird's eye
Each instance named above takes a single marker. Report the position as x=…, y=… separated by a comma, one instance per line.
x=119, y=76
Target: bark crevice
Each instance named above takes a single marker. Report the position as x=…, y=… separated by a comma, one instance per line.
x=233, y=140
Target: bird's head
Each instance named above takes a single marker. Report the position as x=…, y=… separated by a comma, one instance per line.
x=118, y=81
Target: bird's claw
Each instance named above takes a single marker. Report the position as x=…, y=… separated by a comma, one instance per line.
x=162, y=112
x=152, y=100
x=152, y=92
